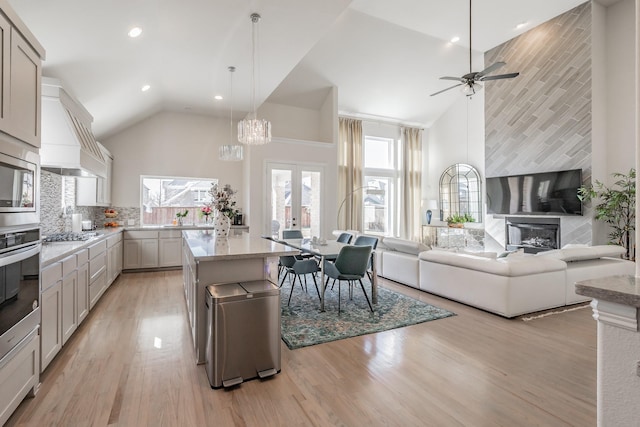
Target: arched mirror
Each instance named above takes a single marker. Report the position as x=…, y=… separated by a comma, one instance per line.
x=460, y=191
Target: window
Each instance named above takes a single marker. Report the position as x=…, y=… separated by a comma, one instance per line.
x=161, y=197
x=380, y=181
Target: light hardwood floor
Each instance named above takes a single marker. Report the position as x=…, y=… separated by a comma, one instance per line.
x=474, y=369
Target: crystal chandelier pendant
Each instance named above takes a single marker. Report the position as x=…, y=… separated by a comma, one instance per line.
x=254, y=131
x=230, y=153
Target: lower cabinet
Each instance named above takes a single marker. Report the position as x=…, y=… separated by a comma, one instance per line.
x=97, y=276
x=152, y=249
x=71, y=287
x=169, y=251
x=69, y=318
x=51, y=324
x=83, y=292
x=19, y=375
x=114, y=258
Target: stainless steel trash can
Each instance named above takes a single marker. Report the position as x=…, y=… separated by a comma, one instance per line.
x=243, y=332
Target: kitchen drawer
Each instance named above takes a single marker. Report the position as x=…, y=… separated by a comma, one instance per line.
x=170, y=234
x=51, y=274
x=96, y=265
x=140, y=234
x=98, y=248
x=113, y=240
x=83, y=256
x=69, y=264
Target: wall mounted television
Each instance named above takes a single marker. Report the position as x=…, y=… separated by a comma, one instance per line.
x=546, y=193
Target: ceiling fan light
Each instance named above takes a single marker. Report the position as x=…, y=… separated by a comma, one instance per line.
x=470, y=89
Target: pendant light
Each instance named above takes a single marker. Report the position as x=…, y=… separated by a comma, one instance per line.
x=230, y=152
x=254, y=131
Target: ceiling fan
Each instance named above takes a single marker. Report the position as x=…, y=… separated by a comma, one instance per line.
x=469, y=82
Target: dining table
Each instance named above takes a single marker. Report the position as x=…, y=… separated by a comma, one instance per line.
x=330, y=249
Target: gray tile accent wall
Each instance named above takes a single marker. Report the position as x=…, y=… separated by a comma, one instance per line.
x=541, y=120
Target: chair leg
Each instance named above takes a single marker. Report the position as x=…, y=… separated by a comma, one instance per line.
x=306, y=288
x=291, y=293
x=284, y=278
x=316, y=285
x=365, y=295
x=339, y=281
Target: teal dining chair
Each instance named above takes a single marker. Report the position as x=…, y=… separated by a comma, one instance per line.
x=350, y=265
x=367, y=241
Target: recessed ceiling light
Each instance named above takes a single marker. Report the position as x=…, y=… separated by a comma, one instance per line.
x=218, y=97
x=521, y=25
x=145, y=88
x=135, y=32
x=455, y=39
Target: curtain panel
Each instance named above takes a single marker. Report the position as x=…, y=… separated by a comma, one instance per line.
x=410, y=219
x=350, y=160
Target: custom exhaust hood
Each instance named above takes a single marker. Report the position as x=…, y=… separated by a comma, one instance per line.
x=68, y=145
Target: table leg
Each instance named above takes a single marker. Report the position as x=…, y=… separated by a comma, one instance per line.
x=322, y=283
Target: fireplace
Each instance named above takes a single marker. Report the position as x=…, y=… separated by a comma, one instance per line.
x=532, y=234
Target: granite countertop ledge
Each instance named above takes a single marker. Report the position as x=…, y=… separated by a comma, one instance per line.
x=55, y=251
x=623, y=290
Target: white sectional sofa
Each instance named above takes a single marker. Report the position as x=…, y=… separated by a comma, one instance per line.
x=511, y=286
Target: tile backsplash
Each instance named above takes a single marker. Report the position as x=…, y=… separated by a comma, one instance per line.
x=58, y=203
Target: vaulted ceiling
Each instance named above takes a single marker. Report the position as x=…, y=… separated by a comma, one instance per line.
x=384, y=57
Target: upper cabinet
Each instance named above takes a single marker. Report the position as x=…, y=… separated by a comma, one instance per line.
x=96, y=191
x=20, y=78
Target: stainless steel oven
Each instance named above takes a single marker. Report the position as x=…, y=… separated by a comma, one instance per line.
x=19, y=286
x=19, y=182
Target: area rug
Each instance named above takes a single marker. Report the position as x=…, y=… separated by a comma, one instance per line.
x=303, y=324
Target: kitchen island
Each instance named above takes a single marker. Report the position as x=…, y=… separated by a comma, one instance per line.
x=207, y=260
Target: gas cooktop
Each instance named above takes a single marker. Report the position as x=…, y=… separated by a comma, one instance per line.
x=69, y=236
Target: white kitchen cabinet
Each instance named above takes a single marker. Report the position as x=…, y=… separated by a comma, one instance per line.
x=97, y=271
x=20, y=375
x=69, y=297
x=140, y=250
x=20, y=87
x=69, y=317
x=96, y=191
x=25, y=82
x=170, y=248
x=114, y=258
x=51, y=312
x=83, y=287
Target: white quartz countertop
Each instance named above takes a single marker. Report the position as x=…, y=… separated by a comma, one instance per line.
x=55, y=251
x=180, y=227
x=206, y=247
x=619, y=289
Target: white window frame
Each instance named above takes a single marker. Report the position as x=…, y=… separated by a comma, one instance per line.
x=394, y=174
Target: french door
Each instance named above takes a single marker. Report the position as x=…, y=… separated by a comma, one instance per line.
x=294, y=198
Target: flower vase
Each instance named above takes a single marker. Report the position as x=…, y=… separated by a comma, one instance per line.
x=221, y=225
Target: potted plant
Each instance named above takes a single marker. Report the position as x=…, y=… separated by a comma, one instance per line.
x=458, y=220
x=615, y=205
x=181, y=216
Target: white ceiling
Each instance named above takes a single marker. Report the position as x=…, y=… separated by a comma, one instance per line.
x=384, y=57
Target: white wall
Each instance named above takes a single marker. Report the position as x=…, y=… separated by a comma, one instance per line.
x=171, y=144
x=620, y=86
x=456, y=137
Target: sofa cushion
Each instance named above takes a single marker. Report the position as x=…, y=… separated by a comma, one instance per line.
x=406, y=246
x=569, y=254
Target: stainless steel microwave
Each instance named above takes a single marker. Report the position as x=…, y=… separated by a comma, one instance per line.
x=19, y=184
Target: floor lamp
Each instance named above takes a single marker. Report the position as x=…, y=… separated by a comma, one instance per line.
x=376, y=190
